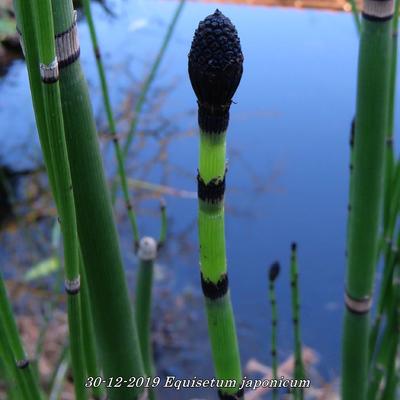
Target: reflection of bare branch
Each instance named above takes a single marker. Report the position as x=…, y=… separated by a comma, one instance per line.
x=161, y=189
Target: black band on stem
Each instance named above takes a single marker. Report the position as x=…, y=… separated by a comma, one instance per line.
x=211, y=192
x=213, y=290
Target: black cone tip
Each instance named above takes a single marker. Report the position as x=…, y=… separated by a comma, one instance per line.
x=294, y=247
x=274, y=271
x=215, y=61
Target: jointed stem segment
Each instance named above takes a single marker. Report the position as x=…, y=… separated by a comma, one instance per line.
x=366, y=190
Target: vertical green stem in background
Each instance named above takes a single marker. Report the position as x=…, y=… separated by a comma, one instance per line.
x=12, y=349
x=88, y=334
x=356, y=15
x=299, y=372
x=114, y=324
x=147, y=254
x=17, y=387
x=366, y=195
x=163, y=231
x=215, y=70
x=149, y=79
x=384, y=365
x=111, y=122
x=391, y=382
x=273, y=274
x=390, y=156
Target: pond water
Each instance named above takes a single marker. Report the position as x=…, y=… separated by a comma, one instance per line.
x=288, y=161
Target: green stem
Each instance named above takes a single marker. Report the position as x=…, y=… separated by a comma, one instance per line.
x=64, y=197
x=88, y=334
x=366, y=196
x=114, y=324
x=150, y=77
x=221, y=325
x=111, y=122
x=356, y=15
x=390, y=157
x=273, y=274
x=299, y=372
x=147, y=254
x=11, y=346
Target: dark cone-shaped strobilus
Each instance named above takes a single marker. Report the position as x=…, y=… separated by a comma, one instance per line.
x=215, y=69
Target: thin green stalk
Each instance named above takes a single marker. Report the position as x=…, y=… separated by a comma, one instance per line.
x=390, y=263
x=27, y=31
x=59, y=375
x=150, y=77
x=390, y=157
x=299, y=372
x=367, y=189
x=88, y=334
x=15, y=388
x=214, y=87
x=164, y=223
x=391, y=384
x=273, y=274
x=49, y=72
x=386, y=357
x=390, y=259
x=11, y=347
x=147, y=254
x=356, y=15
x=111, y=122
x=115, y=328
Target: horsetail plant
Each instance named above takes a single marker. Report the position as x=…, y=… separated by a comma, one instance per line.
x=366, y=193
x=49, y=73
x=12, y=351
x=273, y=274
x=111, y=122
x=385, y=361
x=150, y=78
x=299, y=372
x=390, y=156
x=114, y=324
x=147, y=253
x=40, y=48
x=215, y=70
x=88, y=334
x=147, y=246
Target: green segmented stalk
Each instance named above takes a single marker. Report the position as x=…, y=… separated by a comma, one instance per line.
x=13, y=351
x=273, y=274
x=299, y=372
x=356, y=15
x=366, y=196
x=147, y=254
x=391, y=384
x=111, y=122
x=390, y=157
x=390, y=263
x=114, y=324
x=149, y=79
x=64, y=197
x=88, y=334
x=386, y=357
x=16, y=387
x=164, y=224
x=215, y=70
